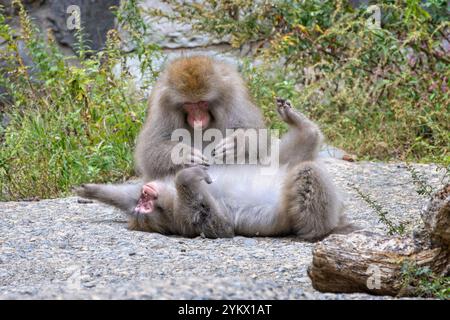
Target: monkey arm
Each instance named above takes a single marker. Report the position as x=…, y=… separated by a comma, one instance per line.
x=153, y=160
x=154, y=157
x=196, y=211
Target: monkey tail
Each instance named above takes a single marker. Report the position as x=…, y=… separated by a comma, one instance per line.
x=122, y=196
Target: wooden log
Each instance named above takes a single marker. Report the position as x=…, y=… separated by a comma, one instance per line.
x=436, y=217
x=369, y=262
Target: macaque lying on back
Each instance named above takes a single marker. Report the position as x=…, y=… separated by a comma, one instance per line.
x=222, y=201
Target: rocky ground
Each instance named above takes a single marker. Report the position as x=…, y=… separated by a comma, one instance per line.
x=64, y=249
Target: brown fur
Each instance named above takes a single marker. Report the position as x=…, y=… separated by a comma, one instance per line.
x=192, y=76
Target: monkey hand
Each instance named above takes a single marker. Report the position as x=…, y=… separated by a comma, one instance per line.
x=193, y=176
x=191, y=157
x=231, y=147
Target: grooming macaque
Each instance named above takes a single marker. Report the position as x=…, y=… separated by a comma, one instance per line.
x=198, y=92
x=223, y=201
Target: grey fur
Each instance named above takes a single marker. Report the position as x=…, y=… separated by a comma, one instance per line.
x=230, y=107
x=299, y=199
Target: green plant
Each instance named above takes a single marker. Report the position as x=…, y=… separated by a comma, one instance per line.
x=130, y=21
x=70, y=122
x=423, y=188
x=424, y=281
x=392, y=228
x=381, y=93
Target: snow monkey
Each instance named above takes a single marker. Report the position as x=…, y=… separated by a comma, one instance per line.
x=195, y=91
x=222, y=201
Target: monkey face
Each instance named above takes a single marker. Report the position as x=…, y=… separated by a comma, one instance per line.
x=198, y=115
x=146, y=202
x=149, y=213
x=194, y=85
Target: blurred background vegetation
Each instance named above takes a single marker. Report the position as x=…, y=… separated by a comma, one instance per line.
x=379, y=91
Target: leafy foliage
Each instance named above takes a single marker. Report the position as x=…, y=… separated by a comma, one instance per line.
x=425, y=282
x=73, y=119
x=381, y=92
x=392, y=228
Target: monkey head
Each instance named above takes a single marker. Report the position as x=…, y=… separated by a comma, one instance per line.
x=193, y=85
x=151, y=211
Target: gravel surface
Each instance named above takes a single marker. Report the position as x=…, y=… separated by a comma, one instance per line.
x=62, y=249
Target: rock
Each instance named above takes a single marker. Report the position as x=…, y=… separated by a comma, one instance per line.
x=171, y=35
x=29, y=4
x=349, y=157
x=96, y=19
x=250, y=242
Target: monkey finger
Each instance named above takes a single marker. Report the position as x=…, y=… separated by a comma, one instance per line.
x=194, y=160
x=228, y=140
x=223, y=147
x=223, y=153
x=294, y=116
x=198, y=154
x=230, y=150
x=280, y=101
x=208, y=179
x=195, y=165
x=193, y=175
x=283, y=102
x=205, y=175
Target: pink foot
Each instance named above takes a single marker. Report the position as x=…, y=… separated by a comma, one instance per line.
x=146, y=202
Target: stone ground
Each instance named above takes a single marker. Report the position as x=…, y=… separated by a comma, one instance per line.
x=62, y=249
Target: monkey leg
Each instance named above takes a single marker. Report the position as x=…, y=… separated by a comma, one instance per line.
x=302, y=141
x=196, y=211
x=311, y=202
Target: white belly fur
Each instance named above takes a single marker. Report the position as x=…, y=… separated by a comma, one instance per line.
x=246, y=184
x=249, y=197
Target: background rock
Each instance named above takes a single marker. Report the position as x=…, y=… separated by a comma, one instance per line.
x=174, y=35
x=96, y=19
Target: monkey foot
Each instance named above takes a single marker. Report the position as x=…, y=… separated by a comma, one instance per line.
x=286, y=111
x=146, y=202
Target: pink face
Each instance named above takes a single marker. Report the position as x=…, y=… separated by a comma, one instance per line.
x=149, y=195
x=197, y=114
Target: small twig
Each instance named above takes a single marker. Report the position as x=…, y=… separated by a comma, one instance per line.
x=381, y=212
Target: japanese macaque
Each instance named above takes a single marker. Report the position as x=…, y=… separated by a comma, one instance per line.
x=222, y=201
x=196, y=91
